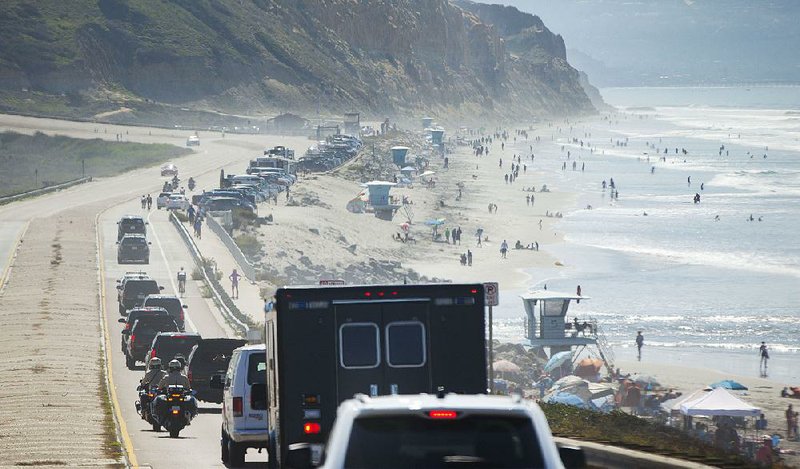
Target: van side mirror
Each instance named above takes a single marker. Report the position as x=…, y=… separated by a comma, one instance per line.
x=299, y=456
x=185, y=306
x=572, y=457
x=121, y=320
x=160, y=288
x=126, y=332
x=216, y=382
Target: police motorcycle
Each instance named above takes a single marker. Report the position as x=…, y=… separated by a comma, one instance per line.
x=191, y=184
x=173, y=408
x=144, y=408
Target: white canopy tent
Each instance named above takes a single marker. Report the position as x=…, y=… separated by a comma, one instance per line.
x=719, y=402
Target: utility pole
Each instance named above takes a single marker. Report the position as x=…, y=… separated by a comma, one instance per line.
x=36, y=178
x=83, y=167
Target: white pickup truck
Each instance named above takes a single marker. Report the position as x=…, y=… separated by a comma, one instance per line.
x=423, y=430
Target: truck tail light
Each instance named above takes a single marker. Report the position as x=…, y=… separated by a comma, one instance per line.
x=238, y=407
x=311, y=428
x=152, y=353
x=442, y=414
x=133, y=338
x=182, y=319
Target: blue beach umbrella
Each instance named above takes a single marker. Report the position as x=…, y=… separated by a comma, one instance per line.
x=729, y=384
x=557, y=360
x=567, y=399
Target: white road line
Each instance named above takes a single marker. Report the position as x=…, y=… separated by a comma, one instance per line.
x=169, y=271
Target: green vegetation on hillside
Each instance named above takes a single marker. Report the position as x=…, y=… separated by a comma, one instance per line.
x=30, y=162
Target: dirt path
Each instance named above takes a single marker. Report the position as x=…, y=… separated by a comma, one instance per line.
x=53, y=390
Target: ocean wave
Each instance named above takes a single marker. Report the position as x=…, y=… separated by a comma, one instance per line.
x=747, y=261
x=773, y=347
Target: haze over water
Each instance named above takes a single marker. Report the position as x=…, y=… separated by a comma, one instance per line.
x=704, y=292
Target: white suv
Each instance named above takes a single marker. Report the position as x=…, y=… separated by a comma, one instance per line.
x=428, y=431
x=244, y=403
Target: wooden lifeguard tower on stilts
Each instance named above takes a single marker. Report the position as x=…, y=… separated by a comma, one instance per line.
x=548, y=330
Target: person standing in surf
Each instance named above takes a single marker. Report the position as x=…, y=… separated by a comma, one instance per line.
x=639, y=343
x=764, y=358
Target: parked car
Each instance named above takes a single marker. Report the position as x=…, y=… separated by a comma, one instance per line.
x=221, y=204
x=132, y=290
x=131, y=224
x=161, y=200
x=177, y=202
x=193, y=141
x=210, y=358
x=169, y=169
x=244, y=403
x=171, y=303
x=133, y=248
x=140, y=336
x=172, y=345
x=138, y=313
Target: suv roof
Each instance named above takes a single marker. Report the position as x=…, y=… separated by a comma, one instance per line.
x=147, y=321
x=415, y=402
x=134, y=235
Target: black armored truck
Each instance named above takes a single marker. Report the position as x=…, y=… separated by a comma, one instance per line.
x=326, y=344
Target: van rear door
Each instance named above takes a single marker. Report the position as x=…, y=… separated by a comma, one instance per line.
x=255, y=399
x=382, y=348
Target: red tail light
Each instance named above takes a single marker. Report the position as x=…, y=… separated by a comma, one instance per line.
x=133, y=338
x=182, y=315
x=311, y=428
x=442, y=414
x=189, y=375
x=238, y=407
x=152, y=353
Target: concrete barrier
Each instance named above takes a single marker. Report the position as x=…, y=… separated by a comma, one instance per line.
x=216, y=291
x=248, y=270
x=44, y=190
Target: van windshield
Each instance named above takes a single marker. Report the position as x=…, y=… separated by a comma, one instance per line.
x=480, y=441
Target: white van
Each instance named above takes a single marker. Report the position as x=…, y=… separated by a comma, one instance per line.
x=244, y=403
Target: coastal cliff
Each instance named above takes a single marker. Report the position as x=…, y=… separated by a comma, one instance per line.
x=382, y=58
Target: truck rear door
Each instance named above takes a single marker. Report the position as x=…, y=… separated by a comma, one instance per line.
x=382, y=348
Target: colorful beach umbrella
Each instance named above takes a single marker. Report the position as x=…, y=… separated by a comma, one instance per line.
x=557, y=360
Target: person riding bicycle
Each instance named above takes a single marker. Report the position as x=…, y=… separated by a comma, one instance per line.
x=182, y=280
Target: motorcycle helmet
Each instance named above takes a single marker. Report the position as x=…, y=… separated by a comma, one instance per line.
x=174, y=365
x=155, y=363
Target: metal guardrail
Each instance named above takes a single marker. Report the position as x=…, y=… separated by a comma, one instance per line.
x=219, y=296
x=44, y=190
x=248, y=269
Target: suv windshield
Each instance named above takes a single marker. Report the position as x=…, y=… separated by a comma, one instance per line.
x=140, y=288
x=133, y=240
x=173, y=305
x=480, y=441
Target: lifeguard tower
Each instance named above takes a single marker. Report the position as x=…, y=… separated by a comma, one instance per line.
x=378, y=194
x=399, y=155
x=547, y=326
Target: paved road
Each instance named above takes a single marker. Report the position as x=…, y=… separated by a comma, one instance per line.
x=198, y=445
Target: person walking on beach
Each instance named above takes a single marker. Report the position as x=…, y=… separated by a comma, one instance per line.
x=469, y=258
x=503, y=249
x=234, y=276
x=764, y=357
x=789, y=418
x=527, y=200
x=639, y=343
x=149, y=202
x=447, y=235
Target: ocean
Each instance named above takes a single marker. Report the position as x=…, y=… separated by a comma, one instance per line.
x=704, y=283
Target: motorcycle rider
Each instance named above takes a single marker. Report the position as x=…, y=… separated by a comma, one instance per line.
x=154, y=374
x=175, y=377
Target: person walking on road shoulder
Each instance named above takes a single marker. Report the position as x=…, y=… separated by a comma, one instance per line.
x=234, y=276
x=639, y=343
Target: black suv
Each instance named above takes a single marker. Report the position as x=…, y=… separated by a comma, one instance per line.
x=140, y=336
x=208, y=358
x=131, y=224
x=138, y=313
x=169, y=346
x=171, y=303
x=132, y=291
x=133, y=248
